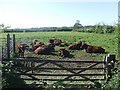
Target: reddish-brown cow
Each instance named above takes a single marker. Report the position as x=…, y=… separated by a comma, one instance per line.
x=56, y=42
x=93, y=49
x=45, y=49
x=21, y=49
x=75, y=46
x=35, y=44
x=63, y=53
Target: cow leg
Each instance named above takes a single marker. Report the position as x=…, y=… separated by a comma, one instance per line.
x=22, y=54
x=19, y=54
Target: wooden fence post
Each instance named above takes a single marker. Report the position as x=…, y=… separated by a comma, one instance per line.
x=14, y=50
x=8, y=46
x=110, y=64
x=104, y=65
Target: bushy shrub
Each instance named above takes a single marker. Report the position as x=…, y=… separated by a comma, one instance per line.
x=98, y=28
x=113, y=84
x=9, y=77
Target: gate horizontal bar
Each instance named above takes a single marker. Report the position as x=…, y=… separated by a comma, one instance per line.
x=24, y=68
x=60, y=74
x=62, y=79
x=52, y=60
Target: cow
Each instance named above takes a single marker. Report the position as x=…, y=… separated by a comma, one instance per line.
x=76, y=46
x=45, y=49
x=92, y=49
x=35, y=44
x=56, y=42
x=63, y=53
x=21, y=49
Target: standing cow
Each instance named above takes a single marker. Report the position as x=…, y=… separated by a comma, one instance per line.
x=21, y=49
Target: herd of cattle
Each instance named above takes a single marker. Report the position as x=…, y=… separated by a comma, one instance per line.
x=42, y=49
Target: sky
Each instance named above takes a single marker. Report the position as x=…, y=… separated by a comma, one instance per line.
x=52, y=13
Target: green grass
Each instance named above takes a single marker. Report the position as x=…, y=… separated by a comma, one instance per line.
x=107, y=41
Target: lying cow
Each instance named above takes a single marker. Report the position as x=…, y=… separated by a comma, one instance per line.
x=93, y=49
x=45, y=49
x=35, y=44
x=63, y=53
x=56, y=42
x=76, y=46
x=21, y=49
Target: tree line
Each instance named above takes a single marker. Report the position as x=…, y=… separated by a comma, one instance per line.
x=77, y=27
x=98, y=28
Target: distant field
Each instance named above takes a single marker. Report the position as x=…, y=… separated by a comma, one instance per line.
x=107, y=41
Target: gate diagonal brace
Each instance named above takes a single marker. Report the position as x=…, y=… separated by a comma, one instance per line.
x=29, y=75
x=83, y=71
x=42, y=64
x=33, y=68
x=74, y=73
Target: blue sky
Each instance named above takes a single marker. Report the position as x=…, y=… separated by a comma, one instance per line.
x=34, y=13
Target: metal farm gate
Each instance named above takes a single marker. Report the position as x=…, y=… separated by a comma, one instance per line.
x=75, y=72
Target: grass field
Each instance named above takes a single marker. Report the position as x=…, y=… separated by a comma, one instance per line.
x=107, y=41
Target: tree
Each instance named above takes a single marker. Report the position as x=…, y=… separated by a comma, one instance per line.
x=3, y=28
x=77, y=25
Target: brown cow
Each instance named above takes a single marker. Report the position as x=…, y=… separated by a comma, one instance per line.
x=45, y=49
x=56, y=42
x=63, y=53
x=35, y=44
x=93, y=49
x=21, y=49
x=76, y=46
